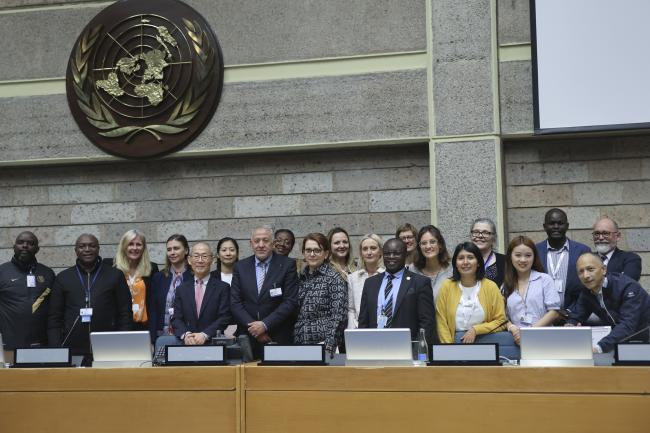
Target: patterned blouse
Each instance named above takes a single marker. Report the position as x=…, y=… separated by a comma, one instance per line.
x=323, y=306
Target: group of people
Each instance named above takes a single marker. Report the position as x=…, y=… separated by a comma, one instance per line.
x=410, y=281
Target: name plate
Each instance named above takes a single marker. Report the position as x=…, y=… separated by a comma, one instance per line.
x=47, y=357
x=465, y=354
x=276, y=354
x=633, y=354
x=195, y=355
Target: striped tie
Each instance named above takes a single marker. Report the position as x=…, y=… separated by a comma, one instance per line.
x=260, y=275
x=388, y=296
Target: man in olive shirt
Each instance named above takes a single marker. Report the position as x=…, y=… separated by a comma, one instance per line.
x=25, y=286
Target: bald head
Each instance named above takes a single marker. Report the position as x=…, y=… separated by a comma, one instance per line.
x=26, y=247
x=591, y=271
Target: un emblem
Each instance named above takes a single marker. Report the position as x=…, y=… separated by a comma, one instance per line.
x=144, y=77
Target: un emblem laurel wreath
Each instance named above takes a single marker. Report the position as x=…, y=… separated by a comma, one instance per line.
x=100, y=116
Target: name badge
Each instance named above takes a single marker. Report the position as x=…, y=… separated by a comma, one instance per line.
x=135, y=308
x=381, y=321
x=86, y=314
x=527, y=319
x=275, y=292
x=31, y=281
x=170, y=311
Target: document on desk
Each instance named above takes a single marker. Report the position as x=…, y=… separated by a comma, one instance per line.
x=598, y=333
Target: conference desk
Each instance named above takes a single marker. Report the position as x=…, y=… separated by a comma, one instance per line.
x=143, y=400
x=254, y=399
x=446, y=399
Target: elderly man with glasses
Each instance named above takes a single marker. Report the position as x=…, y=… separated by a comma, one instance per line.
x=606, y=236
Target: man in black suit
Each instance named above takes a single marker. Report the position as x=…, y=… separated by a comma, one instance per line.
x=606, y=236
x=398, y=298
x=202, y=305
x=263, y=295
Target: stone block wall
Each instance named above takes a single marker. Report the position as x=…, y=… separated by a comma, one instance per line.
x=589, y=178
x=209, y=198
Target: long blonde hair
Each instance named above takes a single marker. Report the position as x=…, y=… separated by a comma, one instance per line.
x=121, y=262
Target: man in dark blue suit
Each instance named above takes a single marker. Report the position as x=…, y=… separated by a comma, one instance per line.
x=398, y=298
x=202, y=305
x=559, y=255
x=264, y=294
x=606, y=236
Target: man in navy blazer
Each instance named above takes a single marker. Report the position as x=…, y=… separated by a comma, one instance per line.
x=606, y=236
x=202, y=305
x=413, y=300
x=264, y=293
x=564, y=254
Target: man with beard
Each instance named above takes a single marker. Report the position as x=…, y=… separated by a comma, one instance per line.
x=88, y=297
x=25, y=286
x=559, y=255
x=606, y=236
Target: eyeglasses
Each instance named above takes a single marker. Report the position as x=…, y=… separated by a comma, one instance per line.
x=313, y=251
x=201, y=257
x=407, y=238
x=481, y=233
x=433, y=243
x=605, y=235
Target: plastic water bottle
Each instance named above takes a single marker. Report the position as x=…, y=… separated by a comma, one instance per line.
x=423, y=347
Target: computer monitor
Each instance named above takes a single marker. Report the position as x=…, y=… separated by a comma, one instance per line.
x=556, y=346
x=121, y=349
x=378, y=346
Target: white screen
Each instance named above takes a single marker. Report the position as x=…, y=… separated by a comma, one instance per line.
x=593, y=63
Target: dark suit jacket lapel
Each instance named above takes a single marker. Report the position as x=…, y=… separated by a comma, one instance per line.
x=403, y=289
x=373, y=294
x=192, y=299
x=544, y=256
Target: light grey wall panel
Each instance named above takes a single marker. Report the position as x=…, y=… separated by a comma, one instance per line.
x=266, y=113
x=465, y=186
x=8, y=4
x=39, y=41
x=514, y=21
x=516, y=98
x=251, y=31
x=462, y=74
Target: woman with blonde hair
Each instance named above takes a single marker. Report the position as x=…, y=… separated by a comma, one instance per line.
x=340, y=257
x=132, y=258
x=370, y=256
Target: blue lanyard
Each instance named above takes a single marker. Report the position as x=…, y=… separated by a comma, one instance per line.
x=87, y=289
x=485, y=265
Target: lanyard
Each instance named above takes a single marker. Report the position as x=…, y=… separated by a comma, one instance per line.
x=556, y=269
x=485, y=265
x=90, y=285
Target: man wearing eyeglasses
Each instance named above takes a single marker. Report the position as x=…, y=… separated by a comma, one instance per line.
x=263, y=294
x=606, y=236
x=202, y=305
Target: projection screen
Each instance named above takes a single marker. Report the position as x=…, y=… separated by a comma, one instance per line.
x=591, y=65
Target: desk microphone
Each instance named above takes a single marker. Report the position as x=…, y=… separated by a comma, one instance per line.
x=635, y=334
x=65, y=340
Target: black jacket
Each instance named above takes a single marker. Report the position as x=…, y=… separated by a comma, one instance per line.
x=627, y=312
x=109, y=298
x=18, y=325
x=625, y=262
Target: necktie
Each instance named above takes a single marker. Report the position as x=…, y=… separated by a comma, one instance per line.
x=260, y=274
x=604, y=258
x=198, y=296
x=388, y=296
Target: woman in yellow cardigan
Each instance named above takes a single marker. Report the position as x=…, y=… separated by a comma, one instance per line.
x=470, y=308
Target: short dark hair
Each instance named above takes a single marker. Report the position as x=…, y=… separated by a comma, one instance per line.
x=443, y=254
x=470, y=248
x=287, y=231
x=551, y=211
